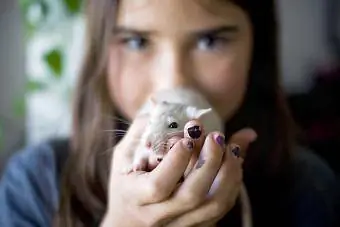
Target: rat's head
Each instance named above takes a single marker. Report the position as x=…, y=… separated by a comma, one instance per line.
x=168, y=120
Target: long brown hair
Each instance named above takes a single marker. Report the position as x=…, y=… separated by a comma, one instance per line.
x=84, y=186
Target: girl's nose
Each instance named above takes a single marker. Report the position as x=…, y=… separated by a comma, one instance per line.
x=173, y=69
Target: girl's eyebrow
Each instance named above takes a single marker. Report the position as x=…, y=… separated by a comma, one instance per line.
x=217, y=30
x=200, y=32
x=129, y=30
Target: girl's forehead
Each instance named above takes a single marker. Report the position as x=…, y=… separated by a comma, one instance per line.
x=150, y=14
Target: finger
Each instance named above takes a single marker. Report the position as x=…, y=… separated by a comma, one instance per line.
x=208, y=214
x=194, y=129
x=222, y=196
x=162, y=181
x=198, y=182
x=226, y=185
x=230, y=175
x=241, y=140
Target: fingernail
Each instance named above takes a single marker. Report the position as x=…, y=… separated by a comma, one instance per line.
x=194, y=132
x=190, y=145
x=235, y=149
x=220, y=140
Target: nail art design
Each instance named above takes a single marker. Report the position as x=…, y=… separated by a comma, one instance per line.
x=194, y=132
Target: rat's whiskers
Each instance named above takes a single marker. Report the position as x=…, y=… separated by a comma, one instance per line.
x=118, y=119
x=159, y=145
x=116, y=132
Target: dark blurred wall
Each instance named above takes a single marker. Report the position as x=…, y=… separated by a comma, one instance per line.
x=304, y=45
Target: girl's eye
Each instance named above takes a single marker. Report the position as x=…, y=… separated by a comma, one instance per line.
x=210, y=42
x=135, y=42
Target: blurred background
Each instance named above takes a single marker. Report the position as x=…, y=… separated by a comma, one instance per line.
x=41, y=46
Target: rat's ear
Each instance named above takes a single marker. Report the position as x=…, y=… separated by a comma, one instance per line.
x=202, y=112
x=195, y=113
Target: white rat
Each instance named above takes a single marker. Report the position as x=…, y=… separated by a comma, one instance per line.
x=169, y=111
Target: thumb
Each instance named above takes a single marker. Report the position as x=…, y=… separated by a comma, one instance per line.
x=241, y=140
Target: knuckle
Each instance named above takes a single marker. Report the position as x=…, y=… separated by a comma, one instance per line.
x=146, y=221
x=154, y=191
x=144, y=217
x=150, y=221
x=190, y=200
x=217, y=208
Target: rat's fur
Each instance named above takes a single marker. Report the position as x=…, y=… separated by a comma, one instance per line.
x=168, y=120
x=179, y=105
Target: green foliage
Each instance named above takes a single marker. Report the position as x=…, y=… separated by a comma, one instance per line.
x=19, y=103
x=25, y=7
x=73, y=6
x=35, y=86
x=54, y=59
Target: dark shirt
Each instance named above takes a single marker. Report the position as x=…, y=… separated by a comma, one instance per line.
x=29, y=190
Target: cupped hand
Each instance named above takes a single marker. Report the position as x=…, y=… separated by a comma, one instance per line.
x=156, y=199
x=226, y=185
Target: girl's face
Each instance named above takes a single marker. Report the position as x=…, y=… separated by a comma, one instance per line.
x=196, y=43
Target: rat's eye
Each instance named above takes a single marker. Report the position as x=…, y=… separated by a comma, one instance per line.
x=173, y=125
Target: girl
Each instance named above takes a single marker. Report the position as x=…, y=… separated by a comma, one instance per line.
x=226, y=49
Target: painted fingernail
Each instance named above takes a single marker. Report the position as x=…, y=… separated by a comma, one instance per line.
x=194, y=132
x=190, y=145
x=236, y=150
x=220, y=140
